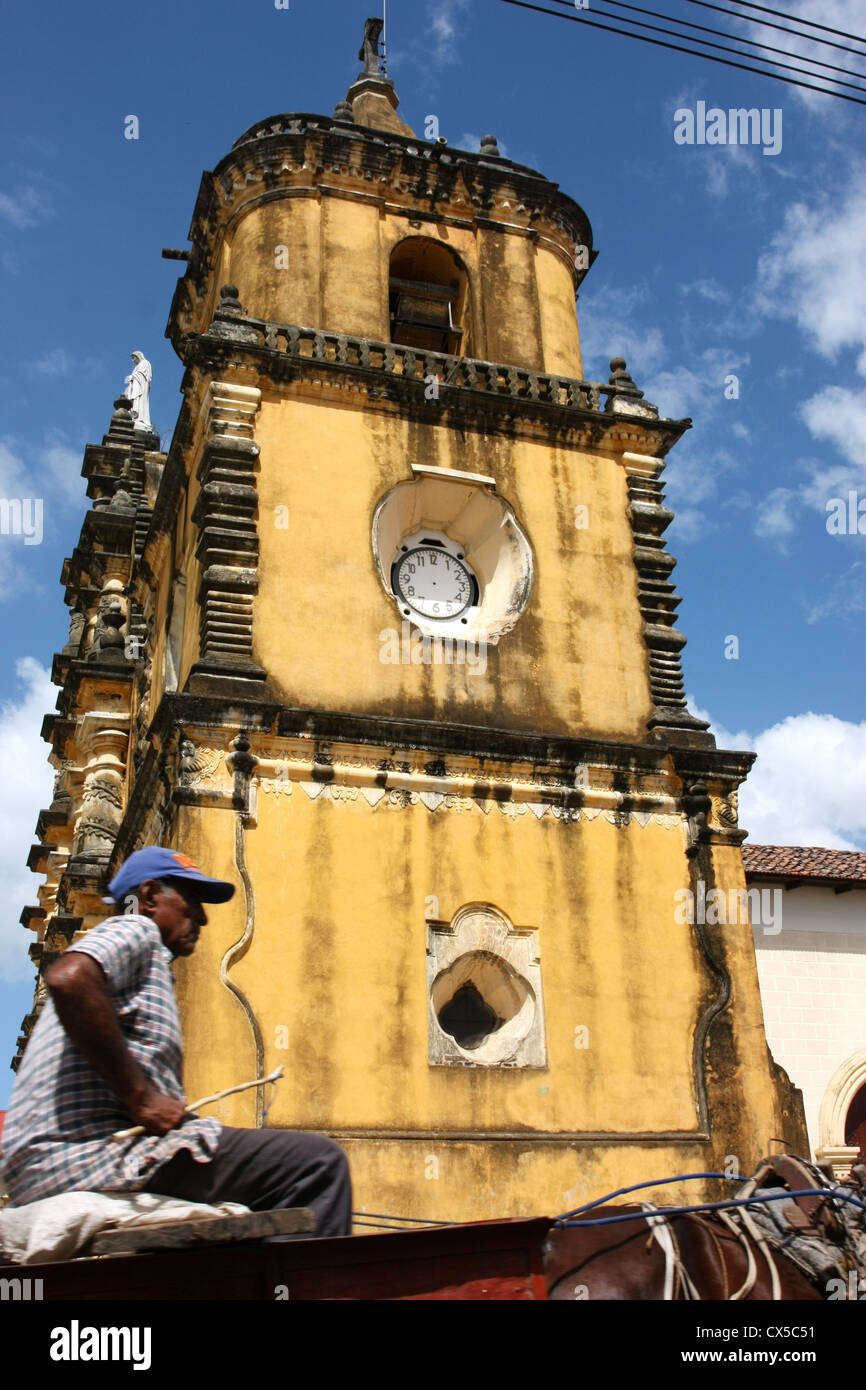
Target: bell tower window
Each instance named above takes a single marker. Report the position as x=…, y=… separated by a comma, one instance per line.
x=428, y=297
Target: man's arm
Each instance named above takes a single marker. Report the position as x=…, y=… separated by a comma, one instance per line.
x=77, y=987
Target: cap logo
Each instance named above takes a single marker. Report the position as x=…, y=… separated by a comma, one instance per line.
x=185, y=862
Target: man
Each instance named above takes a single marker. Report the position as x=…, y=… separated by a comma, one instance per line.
x=106, y=1054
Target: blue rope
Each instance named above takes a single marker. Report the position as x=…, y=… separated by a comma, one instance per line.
x=657, y=1182
x=715, y=1206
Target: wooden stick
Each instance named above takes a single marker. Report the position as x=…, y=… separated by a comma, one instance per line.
x=122, y=1134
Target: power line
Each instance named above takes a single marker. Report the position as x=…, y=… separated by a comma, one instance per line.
x=659, y=29
x=786, y=14
x=678, y=48
x=768, y=24
x=722, y=34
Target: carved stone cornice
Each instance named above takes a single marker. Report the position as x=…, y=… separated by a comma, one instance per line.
x=306, y=155
x=394, y=763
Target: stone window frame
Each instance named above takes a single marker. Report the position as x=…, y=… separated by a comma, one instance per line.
x=482, y=930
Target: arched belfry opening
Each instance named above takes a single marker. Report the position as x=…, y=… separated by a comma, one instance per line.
x=428, y=297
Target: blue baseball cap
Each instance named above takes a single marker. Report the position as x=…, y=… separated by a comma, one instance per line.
x=155, y=862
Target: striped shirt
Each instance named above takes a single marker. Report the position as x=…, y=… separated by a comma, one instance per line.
x=57, y=1135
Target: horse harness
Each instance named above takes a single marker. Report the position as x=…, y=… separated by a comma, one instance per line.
x=819, y=1238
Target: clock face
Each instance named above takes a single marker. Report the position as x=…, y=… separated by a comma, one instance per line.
x=433, y=582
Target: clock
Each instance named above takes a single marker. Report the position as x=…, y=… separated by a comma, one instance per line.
x=431, y=577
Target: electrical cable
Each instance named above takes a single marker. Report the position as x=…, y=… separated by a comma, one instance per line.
x=786, y=14
x=721, y=34
x=658, y=29
x=768, y=24
x=678, y=48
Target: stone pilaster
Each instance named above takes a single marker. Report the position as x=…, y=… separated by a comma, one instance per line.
x=228, y=546
x=670, y=721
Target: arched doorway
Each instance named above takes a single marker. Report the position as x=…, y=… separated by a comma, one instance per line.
x=842, y=1123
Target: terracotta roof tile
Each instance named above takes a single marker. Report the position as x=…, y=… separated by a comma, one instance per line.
x=797, y=861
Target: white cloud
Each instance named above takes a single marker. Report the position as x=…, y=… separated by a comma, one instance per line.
x=839, y=414
x=847, y=598
x=808, y=785
x=845, y=15
x=443, y=18
x=707, y=289
x=53, y=363
x=609, y=328
x=773, y=517
x=815, y=272
x=28, y=787
x=723, y=162
x=26, y=207
x=53, y=462
x=51, y=475
x=686, y=390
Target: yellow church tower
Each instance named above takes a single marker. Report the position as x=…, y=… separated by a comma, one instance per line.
x=387, y=638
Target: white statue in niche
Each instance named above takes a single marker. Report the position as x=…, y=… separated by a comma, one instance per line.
x=138, y=391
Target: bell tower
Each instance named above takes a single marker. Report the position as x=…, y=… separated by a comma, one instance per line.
x=404, y=606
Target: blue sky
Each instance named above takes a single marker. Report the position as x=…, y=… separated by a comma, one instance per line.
x=714, y=260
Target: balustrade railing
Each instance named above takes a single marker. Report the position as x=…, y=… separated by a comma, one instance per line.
x=443, y=369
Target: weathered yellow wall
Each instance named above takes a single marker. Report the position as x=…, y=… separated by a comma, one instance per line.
x=266, y=291
x=575, y=662
x=338, y=960
x=339, y=249
x=219, y=1045
x=559, y=335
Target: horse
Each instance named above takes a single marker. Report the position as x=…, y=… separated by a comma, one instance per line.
x=731, y=1251
x=667, y=1257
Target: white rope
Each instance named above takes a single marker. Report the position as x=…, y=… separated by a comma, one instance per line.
x=662, y=1232
x=729, y=1219
x=755, y=1232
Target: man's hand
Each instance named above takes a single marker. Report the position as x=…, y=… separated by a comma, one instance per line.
x=158, y=1113
x=84, y=1007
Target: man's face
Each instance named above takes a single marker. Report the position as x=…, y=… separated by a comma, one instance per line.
x=177, y=911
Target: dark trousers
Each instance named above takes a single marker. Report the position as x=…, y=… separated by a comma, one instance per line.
x=265, y=1169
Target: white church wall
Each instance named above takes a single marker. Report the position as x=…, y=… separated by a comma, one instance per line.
x=813, y=985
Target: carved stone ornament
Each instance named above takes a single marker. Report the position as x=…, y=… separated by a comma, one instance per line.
x=485, y=1005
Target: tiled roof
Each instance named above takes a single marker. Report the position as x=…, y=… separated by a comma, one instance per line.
x=796, y=861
